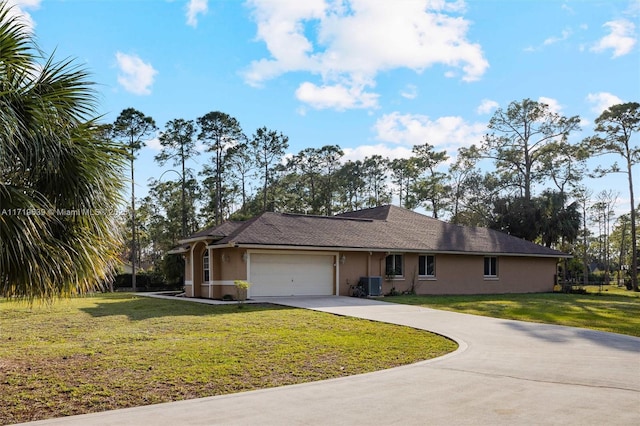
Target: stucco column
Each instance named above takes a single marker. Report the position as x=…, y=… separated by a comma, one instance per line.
x=210, y=258
x=193, y=281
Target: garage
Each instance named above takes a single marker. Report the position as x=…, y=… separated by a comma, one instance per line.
x=272, y=274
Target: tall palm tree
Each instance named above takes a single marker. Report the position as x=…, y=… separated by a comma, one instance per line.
x=60, y=179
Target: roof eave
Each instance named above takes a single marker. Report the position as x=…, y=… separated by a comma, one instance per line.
x=205, y=238
x=178, y=251
x=384, y=249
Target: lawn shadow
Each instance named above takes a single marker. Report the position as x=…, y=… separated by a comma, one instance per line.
x=565, y=334
x=138, y=308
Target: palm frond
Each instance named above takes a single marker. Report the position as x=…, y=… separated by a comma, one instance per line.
x=60, y=180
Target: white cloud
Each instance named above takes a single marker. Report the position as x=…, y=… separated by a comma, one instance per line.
x=602, y=101
x=280, y=26
x=34, y=4
x=346, y=43
x=564, y=35
x=363, y=151
x=486, y=106
x=135, y=75
x=337, y=96
x=621, y=38
x=409, y=92
x=154, y=144
x=200, y=147
x=554, y=105
x=584, y=123
x=553, y=40
x=415, y=129
x=19, y=8
x=195, y=8
x=634, y=8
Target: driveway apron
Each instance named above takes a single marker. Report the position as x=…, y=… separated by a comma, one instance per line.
x=503, y=373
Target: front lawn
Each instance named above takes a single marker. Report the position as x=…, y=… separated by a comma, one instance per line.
x=612, y=309
x=114, y=351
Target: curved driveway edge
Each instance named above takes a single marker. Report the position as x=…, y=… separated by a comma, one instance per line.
x=505, y=373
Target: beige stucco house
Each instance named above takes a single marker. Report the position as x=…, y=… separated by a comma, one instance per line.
x=284, y=254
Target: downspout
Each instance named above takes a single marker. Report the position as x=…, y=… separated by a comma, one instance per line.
x=193, y=278
x=248, y=262
x=210, y=269
x=337, y=263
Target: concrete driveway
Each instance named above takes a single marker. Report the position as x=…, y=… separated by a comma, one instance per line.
x=504, y=373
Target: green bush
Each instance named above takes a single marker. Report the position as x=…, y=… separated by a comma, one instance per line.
x=172, y=268
x=144, y=281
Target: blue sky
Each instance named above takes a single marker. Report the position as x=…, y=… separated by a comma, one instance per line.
x=375, y=77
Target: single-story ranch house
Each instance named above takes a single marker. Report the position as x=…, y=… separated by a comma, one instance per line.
x=284, y=254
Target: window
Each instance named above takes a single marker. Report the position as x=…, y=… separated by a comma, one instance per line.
x=205, y=265
x=393, y=267
x=427, y=265
x=490, y=266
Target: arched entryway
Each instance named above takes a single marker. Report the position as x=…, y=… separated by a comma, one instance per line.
x=200, y=273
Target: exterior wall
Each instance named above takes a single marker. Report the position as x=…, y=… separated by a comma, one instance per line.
x=197, y=289
x=187, y=267
x=188, y=290
x=227, y=290
x=231, y=266
x=234, y=265
x=529, y=275
x=188, y=279
x=459, y=274
x=454, y=274
x=226, y=265
x=359, y=264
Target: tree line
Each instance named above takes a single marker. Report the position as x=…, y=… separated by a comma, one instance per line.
x=525, y=178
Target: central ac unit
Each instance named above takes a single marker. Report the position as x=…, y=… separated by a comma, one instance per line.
x=372, y=285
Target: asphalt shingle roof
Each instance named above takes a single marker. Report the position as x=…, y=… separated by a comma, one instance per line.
x=387, y=227
x=216, y=232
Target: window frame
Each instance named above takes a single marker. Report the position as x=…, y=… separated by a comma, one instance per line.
x=492, y=271
x=426, y=263
x=394, y=266
x=206, y=269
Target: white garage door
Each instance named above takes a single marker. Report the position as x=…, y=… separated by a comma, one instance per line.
x=291, y=274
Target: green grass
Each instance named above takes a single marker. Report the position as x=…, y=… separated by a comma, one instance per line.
x=614, y=310
x=113, y=351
